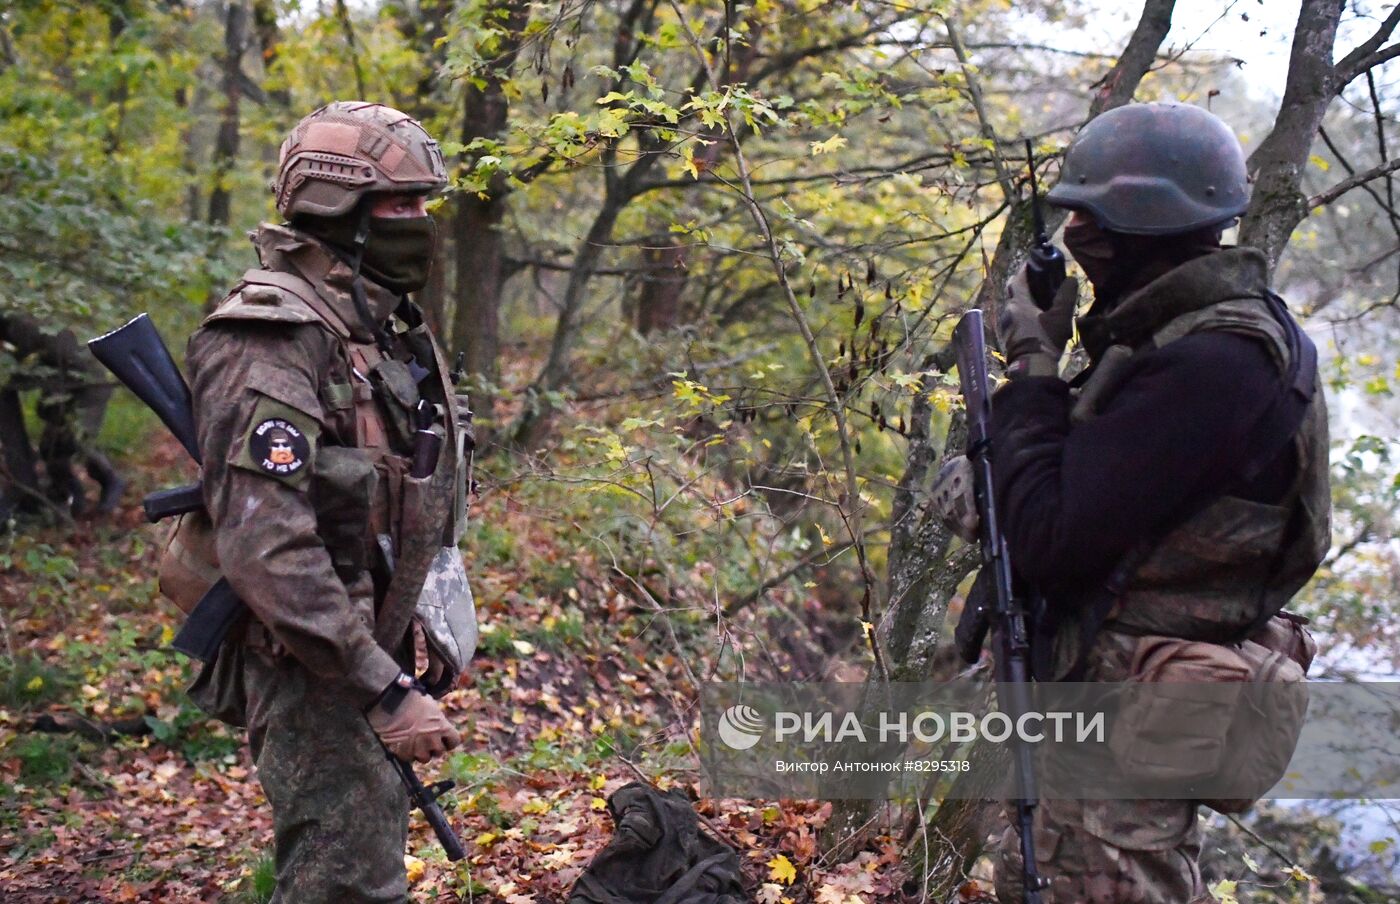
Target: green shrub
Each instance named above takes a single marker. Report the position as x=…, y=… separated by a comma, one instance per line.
x=28, y=681
x=45, y=759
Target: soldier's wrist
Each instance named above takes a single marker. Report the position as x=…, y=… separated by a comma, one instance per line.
x=1033, y=365
x=393, y=696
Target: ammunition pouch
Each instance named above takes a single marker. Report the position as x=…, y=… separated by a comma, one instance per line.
x=189, y=564
x=1222, y=717
x=220, y=690
x=344, y=485
x=397, y=393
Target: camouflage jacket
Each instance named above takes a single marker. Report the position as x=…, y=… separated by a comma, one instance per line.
x=305, y=430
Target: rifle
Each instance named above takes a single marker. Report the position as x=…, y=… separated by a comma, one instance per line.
x=1008, y=612
x=138, y=357
x=1045, y=268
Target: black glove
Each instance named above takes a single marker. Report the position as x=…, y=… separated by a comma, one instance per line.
x=1033, y=340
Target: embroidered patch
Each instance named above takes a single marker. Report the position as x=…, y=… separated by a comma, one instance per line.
x=277, y=446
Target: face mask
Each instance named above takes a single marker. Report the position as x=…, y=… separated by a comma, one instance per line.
x=399, y=252
x=1093, y=251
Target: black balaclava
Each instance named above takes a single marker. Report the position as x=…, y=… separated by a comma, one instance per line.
x=398, y=251
x=1119, y=264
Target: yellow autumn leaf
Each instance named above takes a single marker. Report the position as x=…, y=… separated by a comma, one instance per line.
x=35, y=684
x=1298, y=874
x=780, y=869
x=414, y=867
x=535, y=806
x=1225, y=891
x=598, y=803
x=597, y=782
x=485, y=839
x=831, y=145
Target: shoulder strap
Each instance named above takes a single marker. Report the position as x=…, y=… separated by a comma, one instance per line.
x=304, y=290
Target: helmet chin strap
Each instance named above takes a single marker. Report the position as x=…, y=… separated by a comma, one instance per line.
x=357, y=282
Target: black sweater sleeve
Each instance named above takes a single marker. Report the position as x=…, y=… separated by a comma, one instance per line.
x=1073, y=499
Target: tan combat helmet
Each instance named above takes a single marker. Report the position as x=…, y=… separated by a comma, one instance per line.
x=348, y=149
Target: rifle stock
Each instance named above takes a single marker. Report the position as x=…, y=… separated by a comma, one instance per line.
x=1008, y=617
x=135, y=353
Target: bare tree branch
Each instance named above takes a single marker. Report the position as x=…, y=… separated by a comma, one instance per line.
x=974, y=94
x=1365, y=55
x=1327, y=197
x=1278, y=204
x=1366, y=64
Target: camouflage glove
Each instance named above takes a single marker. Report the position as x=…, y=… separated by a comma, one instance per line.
x=955, y=498
x=1033, y=340
x=411, y=724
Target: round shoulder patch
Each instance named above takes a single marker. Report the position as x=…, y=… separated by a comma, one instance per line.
x=278, y=446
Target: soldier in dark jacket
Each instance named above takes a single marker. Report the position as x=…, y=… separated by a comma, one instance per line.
x=1150, y=496
x=307, y=380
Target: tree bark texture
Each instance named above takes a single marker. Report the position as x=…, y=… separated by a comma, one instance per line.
x=479, y=254
x=663, y=284
x=1277, y=165
x=226, y=143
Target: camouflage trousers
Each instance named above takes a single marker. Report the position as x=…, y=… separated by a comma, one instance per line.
x=340, y=812
x=1110, y=852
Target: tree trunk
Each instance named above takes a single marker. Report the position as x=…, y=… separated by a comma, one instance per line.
x=1278, y=205
x=270, y=44
x=227, y=141
x=663, y=283
x=476, y=318
x=480, y=247
x=118, y=17
x=533, y=423
x=19, y=485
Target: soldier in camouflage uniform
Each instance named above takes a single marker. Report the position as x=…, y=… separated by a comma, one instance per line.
x=307, y=381
x=1147, y=498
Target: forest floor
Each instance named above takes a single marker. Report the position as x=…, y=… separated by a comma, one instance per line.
x=114, y=788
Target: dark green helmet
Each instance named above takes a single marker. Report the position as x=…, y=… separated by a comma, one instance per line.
x=1155, y=169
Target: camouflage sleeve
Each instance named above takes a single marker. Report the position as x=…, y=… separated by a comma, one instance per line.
x=259, y=418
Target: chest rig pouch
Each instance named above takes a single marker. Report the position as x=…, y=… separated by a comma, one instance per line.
x=415, y=520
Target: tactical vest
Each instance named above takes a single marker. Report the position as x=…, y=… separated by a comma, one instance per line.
x=1235, y=561
x=369, y=508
